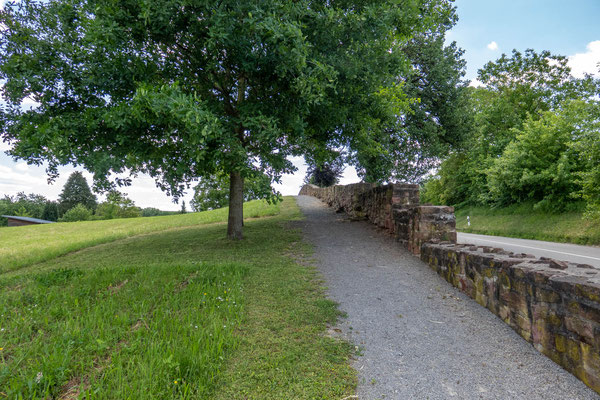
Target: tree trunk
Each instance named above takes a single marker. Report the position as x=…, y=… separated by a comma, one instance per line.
x=236, y=206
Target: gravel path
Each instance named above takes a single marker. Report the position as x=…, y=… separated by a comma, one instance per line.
x=420, y=337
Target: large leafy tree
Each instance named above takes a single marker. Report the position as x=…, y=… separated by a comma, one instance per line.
x=76, y=191
x=435, y=118
x=518, y=89
x=182, y=89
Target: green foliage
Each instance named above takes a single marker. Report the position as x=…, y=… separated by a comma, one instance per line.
x=76, y=191
x=439, y=120
x=24, y=205
x=540, y=165
x=183, y=210
x=213, y=193
x=154, y=212
x=22, y=212
x=117, y=205
x=77, y=213
x=213, y=87
x=423, y=115
x=50, y=212
x=587, y=144
x=522, y=146
x=325, y=175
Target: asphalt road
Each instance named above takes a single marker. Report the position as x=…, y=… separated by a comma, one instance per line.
x=559, y=251
x=418, y=337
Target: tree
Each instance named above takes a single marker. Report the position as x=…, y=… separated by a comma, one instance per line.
x=50, y=212
x=587, y=144
x=77, y=213
x=214, y=87
x=518, y=89
x=117, y=205
x=325, y=175
x=183, y=210
x=213, y=193
x=541, y=164
x=76, y=191
x=439, y=120
x=25, y=205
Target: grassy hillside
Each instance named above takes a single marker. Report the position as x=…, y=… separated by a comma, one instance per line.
x=525, y=222
x=29, y=244
x=179, y=313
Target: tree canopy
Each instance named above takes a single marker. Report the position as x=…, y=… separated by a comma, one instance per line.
x=185, y=89
x=76, y=191
x=533, y=121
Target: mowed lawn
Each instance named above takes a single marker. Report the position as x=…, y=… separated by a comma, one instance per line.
x=178, y=313
x=43, y=242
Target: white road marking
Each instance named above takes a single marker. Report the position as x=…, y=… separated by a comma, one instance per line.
x=538, y=248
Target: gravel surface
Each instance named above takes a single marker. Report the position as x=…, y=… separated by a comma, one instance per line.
x=420, y=338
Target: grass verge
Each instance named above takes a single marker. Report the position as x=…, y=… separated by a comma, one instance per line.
x=176, y=314
x=525, y=222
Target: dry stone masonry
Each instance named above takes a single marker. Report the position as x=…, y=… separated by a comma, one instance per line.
x=393, y=207
x=552, y=304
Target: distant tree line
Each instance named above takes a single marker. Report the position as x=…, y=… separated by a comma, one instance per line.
x=533, y=137
x=76, y=203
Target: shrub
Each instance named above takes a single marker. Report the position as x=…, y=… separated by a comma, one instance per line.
x=77, y=213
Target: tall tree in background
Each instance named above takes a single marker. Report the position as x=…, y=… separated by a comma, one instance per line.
x=182, y=90
x=76, y=191
x=324, y=175
x=50, y=212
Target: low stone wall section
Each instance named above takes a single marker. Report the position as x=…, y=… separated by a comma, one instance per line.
x=552, y=304
x=393, y=207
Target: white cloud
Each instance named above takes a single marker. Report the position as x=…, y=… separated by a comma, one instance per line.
x=492, y=46
x=22, y=167
x=476, y=83
x=587, y=62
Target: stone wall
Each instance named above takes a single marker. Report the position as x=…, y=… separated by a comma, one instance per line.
x=552, y=304
x=393, y=207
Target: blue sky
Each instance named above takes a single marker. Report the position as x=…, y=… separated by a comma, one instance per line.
x=486, y=29
x=562, y=27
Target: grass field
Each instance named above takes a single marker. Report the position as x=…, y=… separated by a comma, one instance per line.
x=37, y=243
x=175, y=313
x=525, y=222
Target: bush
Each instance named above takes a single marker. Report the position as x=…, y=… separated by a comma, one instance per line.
x=541, y=165
x=77, y=213
x=117, y=205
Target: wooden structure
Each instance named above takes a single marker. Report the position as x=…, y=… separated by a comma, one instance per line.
x=22, y=221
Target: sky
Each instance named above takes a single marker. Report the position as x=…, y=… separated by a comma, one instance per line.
x=485, y=30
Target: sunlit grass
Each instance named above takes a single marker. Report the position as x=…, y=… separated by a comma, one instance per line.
x=21, y=246
x=182, y=313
